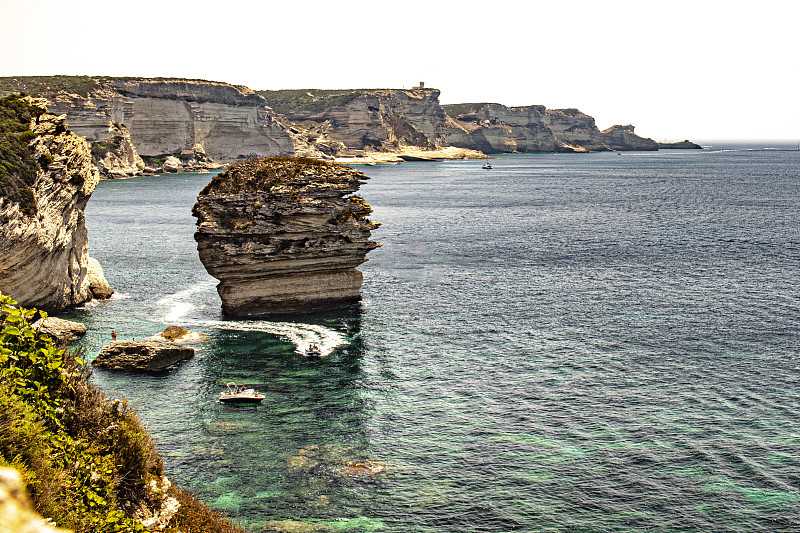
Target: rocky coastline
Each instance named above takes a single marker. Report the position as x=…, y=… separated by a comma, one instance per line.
x=284, y=235
x=148, y=126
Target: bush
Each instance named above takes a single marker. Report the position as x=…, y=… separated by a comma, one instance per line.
x=17, y=167
x=87, y=461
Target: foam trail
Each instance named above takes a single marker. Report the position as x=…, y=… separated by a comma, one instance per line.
x=301, y=335
x=182, y=303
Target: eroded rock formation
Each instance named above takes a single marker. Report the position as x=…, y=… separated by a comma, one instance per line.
x=172, y=116
x=43, y=239
x=142, y=355
x=495, y=128
x=284, y=235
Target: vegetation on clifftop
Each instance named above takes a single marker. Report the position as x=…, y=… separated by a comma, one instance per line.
x=309, y=100
x=87, y=461
x=40, y=85
x=262, y=174
x=18, y=169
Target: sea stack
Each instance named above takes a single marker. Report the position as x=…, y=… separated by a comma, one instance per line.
x=284, y=235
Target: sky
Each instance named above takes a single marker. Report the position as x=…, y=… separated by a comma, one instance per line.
x=702, y=70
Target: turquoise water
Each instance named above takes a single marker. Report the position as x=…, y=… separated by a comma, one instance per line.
x=564, y=343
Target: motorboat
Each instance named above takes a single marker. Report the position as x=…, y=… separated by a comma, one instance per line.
x=487, y=166
x=313, y=350
x=240, y=395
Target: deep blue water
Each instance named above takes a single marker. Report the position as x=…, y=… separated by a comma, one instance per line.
x=565, y=343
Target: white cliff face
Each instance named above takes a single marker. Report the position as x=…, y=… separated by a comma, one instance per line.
x=378, y=119
x=169, y=116
x=44, y=254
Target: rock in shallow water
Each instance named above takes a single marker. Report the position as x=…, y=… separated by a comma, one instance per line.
x=284, y=235
x=62, y=331
x=142, y=355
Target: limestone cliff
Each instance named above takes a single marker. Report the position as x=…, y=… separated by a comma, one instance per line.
x=169, y=116
x=117, y=157
x=284, y=235
x=623, y=138
x=369, y=124
x=495, y=128
x=43, y=239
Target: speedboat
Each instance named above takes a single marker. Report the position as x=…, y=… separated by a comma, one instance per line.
x=240, y=395
x=313, y=350
x=487, y=165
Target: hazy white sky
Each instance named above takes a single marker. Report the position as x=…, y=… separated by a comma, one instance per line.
x=680, y=69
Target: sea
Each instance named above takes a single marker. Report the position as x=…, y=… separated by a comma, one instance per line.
x=565, y=343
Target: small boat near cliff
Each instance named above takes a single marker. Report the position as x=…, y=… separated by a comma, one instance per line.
x=240, y=395
x=487, y=166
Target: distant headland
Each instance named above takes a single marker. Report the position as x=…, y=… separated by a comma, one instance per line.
x=152, y=125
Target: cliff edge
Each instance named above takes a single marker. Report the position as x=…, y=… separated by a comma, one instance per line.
x=284, y=235
x=46, y=179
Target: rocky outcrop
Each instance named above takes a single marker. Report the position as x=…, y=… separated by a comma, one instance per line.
x=62, y=331
x=681, y=145
x=284, y=235
x=16, y=512
x=44, y=247
x=622, y=138
x=142, y=355
x=179, y=335
x=495, y=128
x=117, y=157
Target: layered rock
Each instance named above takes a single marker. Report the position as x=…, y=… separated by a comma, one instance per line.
x=170, y=116
x=623, y=138
x=367, y=125
x=495, y=128
x=284, y=235
x=142, y=355
x=43, y=240
x=117, y=157
x=62, y=331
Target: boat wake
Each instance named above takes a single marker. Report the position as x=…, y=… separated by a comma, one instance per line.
x=180, y=304
x=301, y=335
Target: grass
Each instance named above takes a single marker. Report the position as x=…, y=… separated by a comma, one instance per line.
x=290, y=101
x=41, y=85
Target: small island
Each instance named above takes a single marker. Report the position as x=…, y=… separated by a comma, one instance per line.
x=284, y=235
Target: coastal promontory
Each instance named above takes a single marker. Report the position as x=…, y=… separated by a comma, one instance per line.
x=46, y=179
x=284, y=235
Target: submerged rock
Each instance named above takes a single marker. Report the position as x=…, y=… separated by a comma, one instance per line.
x=284, y=235
x=179, y=335
x=335, y=462
x=142, y=355
x=296, y=526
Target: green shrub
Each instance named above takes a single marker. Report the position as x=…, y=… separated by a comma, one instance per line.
x=86, y=460
x=17, y=167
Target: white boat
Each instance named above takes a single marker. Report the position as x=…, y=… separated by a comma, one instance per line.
x=487, y=165
x=240, y=395
x=313, y=350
